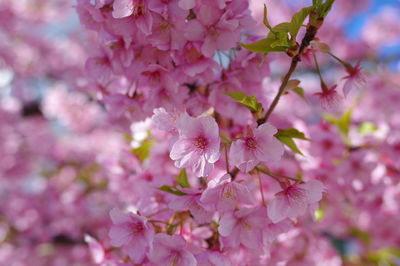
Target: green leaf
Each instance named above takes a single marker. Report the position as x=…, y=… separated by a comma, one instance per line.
x=249, y=101
x=171, y=228
x=281, y=39
x=361, y=235
x=143, y=151
x=266, y=22
x=297, y=21
x=263, y=46
x=299, y=91
x=182, y=179
x=319, y=214
x=326, y=7
x=286, y=136
x=172, y=190
x=342, y=122
x=292, y=133
x=367, y=128
x=281, y=27
x=317, y=3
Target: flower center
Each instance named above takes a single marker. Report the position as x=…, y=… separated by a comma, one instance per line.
x=138, y=9
x=137, y=228
x=228, y=193
x=251, y=143
x=201, y=143
x=295, y=192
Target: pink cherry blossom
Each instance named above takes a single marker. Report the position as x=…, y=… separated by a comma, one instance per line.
x=164, y=120
x=171, y=250
x=330, y=99
x=187, y=4
x=243, y=227
x=294, y=200
x=96, y=249
x=192, y=203
x=222, y=194
x=138, y=10
x=132, y=233
x=218, y=31
x=198, y=144
x=257, y=146
x=355, y=78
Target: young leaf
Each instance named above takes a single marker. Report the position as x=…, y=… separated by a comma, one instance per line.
x=326, y=8
x=299, y=91
x=172, y=190
x=281, y=39
x=281, y=27
x=263, y=46
x=249, y=101
x=291, y=133
x=286, y=136
x=367, y=128
x=342, y=122
x=266, y=22
x=182, y=179
x=297, y=20
x=142, y=152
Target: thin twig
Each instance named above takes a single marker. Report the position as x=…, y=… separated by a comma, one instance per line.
x=308, y=37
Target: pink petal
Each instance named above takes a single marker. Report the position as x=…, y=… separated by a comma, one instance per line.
x=181, y=203
x=243, y=193
x=136, y=250
x=209, y=46
x=278, y=209
x=187, y=4
x=200, y=214
x=236, y=152
x=145, y=24
x=118, y=216
x=122, y=8
x=187, y=258
x=96, y=249
x=226, y=224
x=181, y=148
x=314, y=190
x=119, y=235
x=194, y=31
x=202, y=167
x=250, y=236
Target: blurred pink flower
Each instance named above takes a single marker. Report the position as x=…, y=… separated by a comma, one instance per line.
x=131, y=232
x=355, y=78
x=294, y=200
x=222, y=194
x=171, y=250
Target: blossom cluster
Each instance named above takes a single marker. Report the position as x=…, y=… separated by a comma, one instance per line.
x=159, y=132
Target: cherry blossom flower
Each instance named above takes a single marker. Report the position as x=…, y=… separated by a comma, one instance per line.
x=96, y=249
x=132, y=232
x=355, y=78
x=198, y=144
x=218, y=31
x=192, y=203
x=294, y=200
x=330, y=99
x=171, y=250
x=187, y=4
x=258, y=146
x=222, y=194
x=243, y=227
x=138, y=10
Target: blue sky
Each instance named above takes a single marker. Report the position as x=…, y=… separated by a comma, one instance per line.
x=355, y=26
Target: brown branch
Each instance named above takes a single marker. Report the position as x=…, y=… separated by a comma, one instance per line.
x=308, y=37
